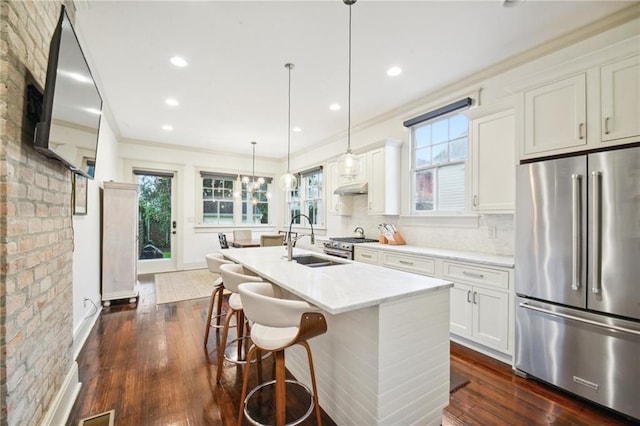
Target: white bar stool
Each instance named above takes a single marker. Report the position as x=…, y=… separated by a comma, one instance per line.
x=278, y=324
x=214, y=261
x=232, y=276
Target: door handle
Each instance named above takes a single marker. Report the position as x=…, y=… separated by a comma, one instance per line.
x=576, y=229
x=606, y=125
x=595, y=232
x=475, y=293
x=581, y=131
x=468, y=296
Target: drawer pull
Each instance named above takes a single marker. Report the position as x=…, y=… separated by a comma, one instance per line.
x=405, y=262
x=368, y=256
x=468, y=296
x=475, y=293
x=472, y=274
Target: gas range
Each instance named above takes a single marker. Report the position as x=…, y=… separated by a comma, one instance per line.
x=343, y=247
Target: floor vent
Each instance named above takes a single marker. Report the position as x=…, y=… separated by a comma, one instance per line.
x=102, y=419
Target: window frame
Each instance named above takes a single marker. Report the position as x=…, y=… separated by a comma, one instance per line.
x=303, y=199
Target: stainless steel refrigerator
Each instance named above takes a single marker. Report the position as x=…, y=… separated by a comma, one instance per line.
x=577, y=273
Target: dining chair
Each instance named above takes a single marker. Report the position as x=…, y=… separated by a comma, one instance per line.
x=242, y=234
x=222, y=239
x=271, y=240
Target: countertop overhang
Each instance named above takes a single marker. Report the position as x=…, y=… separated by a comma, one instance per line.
x=335, y=289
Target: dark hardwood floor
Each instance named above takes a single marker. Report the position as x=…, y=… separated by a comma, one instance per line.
x=147, y=362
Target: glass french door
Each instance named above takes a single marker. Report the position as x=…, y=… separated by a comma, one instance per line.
x=157, y=226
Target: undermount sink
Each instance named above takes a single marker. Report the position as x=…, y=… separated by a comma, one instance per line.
x=314, y=261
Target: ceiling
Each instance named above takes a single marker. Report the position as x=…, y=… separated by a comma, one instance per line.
x=234, y=89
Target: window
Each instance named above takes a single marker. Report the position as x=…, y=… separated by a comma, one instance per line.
x=217, y=200
x=307, y=198
x=439, y=151
x=227, y=201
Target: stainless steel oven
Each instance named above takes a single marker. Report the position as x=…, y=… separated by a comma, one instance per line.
x=343, y=247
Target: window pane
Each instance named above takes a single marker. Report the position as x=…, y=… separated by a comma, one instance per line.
x=206, y=182
x=458, y=150
x=440, y=153
x=423, y=157
x=423, y=187
x=226, y=212
x=422, y=135
x=451, y=187
x=440, y=131
x=458, y=126
x=207, y=193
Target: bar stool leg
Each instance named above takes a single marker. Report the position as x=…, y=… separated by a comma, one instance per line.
x=223, y=344
x=280, y=388
x=219, y=306
x=313, y=382
x=217, y=292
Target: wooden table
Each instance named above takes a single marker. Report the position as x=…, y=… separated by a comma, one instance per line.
x=244, y=243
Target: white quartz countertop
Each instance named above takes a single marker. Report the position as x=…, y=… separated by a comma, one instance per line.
x=466, y=256
x=335, y=289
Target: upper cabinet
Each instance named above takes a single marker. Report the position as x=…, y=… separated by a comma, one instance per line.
x=595, y=108
x=383, y=171
x=337, y=204
x=620, y=98
x=493, y=164
x=555, y=116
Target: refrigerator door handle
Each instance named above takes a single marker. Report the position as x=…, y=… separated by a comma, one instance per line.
x=576, y=221
x=595, y=232
x=583, y=320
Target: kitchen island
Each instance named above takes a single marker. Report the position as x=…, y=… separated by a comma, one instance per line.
x=385, y=357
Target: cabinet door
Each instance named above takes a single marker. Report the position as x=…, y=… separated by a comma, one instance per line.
x=337, y=205
x=490, y=318
x=620, y=97
x=461, y=315
x=555, y=116
x=493, y=150
x=376, y=195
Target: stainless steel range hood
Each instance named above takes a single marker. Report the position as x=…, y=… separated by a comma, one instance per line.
x=352, y=189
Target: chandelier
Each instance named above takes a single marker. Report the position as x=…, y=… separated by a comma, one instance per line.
x=252, y=183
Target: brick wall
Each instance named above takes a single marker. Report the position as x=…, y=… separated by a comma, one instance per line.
x=36, y=236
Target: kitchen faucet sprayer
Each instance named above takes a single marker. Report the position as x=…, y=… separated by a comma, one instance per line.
x=290, y=242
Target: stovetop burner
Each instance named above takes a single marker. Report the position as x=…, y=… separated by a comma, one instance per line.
x=354, y=240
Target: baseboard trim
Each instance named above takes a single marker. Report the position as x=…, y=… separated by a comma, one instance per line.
x=61, y=406
x=82, y=333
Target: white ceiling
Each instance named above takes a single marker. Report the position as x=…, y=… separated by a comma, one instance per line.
x=235, y=88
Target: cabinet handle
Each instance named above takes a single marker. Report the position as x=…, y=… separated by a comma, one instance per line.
x=472, y=274
x=368, y=256
x=369, y=205
x=606, y=125
x=580, y=131
x=475, y=201
x=468, y=296
x=475, y=293
x=405, y=262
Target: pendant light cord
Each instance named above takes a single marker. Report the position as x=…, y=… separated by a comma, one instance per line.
x=349, y=97
x=289, y=123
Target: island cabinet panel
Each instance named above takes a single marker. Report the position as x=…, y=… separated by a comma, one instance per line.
x=119, y=242
x=369, y=373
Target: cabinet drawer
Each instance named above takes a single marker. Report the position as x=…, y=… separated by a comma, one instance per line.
x=366, y=255
x=473, y=274
x=419, y=265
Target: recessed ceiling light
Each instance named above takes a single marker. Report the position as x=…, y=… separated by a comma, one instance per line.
x=171, y=101
x=334, y=107
x=178, y=61
x=296, y=129
x=167, y=127
x=394, y=71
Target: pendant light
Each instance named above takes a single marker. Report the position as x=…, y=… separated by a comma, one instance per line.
x=288, y=181
x=252, y=183
x=348, y=164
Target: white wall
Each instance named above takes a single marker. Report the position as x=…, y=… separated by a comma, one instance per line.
x=86, y=238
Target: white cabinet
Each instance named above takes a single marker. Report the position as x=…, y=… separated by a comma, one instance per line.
x=417, y=264
x=365, y=255
x=493, y=153
x=480, y=304
x=338, y=204
x=119, y=242
x=383, y=173
x=620, y=99
x=594, y=108
x=555, y=116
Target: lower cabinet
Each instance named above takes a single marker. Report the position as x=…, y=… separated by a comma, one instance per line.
x=481, y=315
x=482, y=299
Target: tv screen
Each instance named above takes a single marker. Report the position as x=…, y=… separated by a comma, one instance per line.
x=71, y=105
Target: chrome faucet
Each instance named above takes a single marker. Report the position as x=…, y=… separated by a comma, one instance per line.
x=291, y=242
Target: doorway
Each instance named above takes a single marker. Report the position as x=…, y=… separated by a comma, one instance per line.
x=157, y=225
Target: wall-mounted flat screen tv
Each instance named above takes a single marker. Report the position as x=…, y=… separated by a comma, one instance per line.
x=71, y=105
